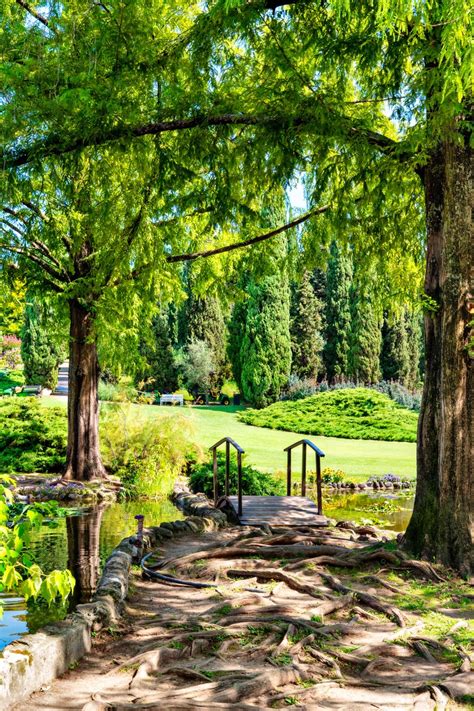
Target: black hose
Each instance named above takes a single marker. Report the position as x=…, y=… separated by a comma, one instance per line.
x=172, y=580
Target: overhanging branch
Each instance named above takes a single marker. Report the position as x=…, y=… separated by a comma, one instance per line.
x=54, y=145
x=37, y=15
x=248, y=242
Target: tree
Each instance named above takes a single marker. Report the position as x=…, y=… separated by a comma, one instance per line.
x=198, y=367
x=338, y=313
x=40, y=351
x=236, y=329
x=160, y=370
x=315, y=93
x=12, y=305
x=305, y=330
x=205, y=322
x=395, y=354
x=365, y=338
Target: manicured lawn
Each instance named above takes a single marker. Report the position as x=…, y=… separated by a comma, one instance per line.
x=264, y=447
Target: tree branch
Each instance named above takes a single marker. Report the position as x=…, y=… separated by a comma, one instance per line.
x=33, y=258
x=248, y=242
x=33, y=13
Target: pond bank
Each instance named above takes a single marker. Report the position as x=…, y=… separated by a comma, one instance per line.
x=35, y=660
x=279, y=630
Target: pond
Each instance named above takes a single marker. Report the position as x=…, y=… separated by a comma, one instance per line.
x=81, y=543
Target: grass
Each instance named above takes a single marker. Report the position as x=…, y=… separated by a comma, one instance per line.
x=357, y=413
x=359, y=459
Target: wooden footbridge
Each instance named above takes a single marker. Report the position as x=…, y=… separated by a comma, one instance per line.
x=273, y=510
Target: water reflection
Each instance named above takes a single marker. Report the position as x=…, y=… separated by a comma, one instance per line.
x=81, y=543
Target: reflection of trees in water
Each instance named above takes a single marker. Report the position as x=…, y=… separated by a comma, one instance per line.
x=83, y=533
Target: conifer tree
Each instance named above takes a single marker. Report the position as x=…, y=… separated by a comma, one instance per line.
x=305, y=330
x=40, y=351
x=395, y=354
x=205, y=322
x=365, y=338
x=157, y=349
x=265, y=353
x=338, y=313
x=235, y=331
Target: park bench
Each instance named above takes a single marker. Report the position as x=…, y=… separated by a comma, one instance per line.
x=171, y=400
x=32, y=389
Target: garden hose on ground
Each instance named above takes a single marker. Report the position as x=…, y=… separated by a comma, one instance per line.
x=172, y=580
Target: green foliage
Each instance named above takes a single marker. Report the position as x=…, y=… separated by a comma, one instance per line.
x=338, y=312
x=254, y=482
x=32, y=437
x=401, y=345
x=305, y=330
x=198, y=366
x=147, y=454
x=357, y=413
x=365, y=338
x=12, y=304
x=40, y=352
x=205, y=322
x=10, y=354
x=121, y=391
x=159, y=371
x=11, y=379
x=18, y=572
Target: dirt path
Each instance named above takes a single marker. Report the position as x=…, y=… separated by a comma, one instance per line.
x=299, y=618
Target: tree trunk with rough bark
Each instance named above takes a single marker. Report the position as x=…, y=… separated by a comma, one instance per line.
x=441, y=527
x=83, y=454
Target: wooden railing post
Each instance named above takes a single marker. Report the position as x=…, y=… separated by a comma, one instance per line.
x=214, y=469
x=227, y=467
x=239, y=482
x=288, y=473
x=318, y=484
x=303, y=471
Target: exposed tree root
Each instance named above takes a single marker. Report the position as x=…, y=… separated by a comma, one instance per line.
x=370, y=600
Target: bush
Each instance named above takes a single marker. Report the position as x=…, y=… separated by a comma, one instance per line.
x=358, y=413
x=254, y=482
x=117, y=392
x=10, y=353
x=399, y=393
x=32, y=438
x=147, y=454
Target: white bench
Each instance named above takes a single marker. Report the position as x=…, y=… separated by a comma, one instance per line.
x=171, y=400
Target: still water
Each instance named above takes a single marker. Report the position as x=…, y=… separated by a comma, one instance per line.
x=82, y=544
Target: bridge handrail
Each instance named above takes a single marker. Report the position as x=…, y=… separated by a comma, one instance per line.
x=305, y=443
x=228, y=441
x=308, y=443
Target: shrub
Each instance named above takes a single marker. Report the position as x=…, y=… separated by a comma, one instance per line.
x=147, y=454
x=254, y=482
x=32, y=438
x=399, y=393
x=10, y=355
x=117, y=392
x=358, y=413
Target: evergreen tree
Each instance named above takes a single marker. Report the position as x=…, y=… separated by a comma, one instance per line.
x=395, y=353
x=338, y=313
x=305, y=330
x=415, y=344
x=205, y=322
x=160, y=371
x=365, y=339
x=265, y=352
x=235, y=332
x=40, y=352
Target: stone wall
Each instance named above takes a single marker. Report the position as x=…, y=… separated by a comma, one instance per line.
x=36, y=659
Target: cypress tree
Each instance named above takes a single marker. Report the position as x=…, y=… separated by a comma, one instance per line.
x=338, y=313
x=365, y=339
x=305, y=330
x=40, y=351
x=265, y=353
x=235, y=332
x=415, y=347
x=205, y=322
x=395, y=353
x=157, y=349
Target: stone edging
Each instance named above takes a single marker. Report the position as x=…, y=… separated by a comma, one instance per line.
x=35, y=660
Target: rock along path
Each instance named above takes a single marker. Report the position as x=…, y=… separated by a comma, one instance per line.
x=300, y=617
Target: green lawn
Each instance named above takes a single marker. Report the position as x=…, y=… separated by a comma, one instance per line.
x=264, y=447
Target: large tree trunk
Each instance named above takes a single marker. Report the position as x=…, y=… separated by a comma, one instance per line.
x=83, y=455
x=441, y=527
